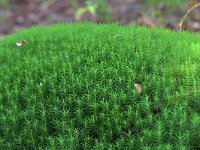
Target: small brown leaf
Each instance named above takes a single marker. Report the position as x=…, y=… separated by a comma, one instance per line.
x=22, y=43
x=138, y=87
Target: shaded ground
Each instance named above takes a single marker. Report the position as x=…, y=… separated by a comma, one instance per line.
x=25, y=13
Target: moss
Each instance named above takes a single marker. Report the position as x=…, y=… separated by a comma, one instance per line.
x=72, y=87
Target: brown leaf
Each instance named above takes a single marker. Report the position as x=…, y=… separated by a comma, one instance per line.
x=22, y=43
x=138, y=87
x=145, y=21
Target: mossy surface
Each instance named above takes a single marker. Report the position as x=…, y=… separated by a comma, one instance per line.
x=72, y=87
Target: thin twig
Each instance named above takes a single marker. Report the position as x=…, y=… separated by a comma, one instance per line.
x=184, y=17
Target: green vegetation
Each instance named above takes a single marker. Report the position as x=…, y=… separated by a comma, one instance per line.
x=72, y=87
x=4, y=3
x=104, y=11
x=168, y=3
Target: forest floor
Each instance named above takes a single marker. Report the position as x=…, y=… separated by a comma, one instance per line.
x=16, y=14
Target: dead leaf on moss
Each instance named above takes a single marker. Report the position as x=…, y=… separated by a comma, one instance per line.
x=24, y=42
x=138, y=87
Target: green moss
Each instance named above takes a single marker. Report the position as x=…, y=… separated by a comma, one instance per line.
x=72, y=87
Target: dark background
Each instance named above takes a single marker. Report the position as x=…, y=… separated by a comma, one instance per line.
x=15, y=14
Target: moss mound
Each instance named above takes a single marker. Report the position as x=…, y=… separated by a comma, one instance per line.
x=72, y=87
